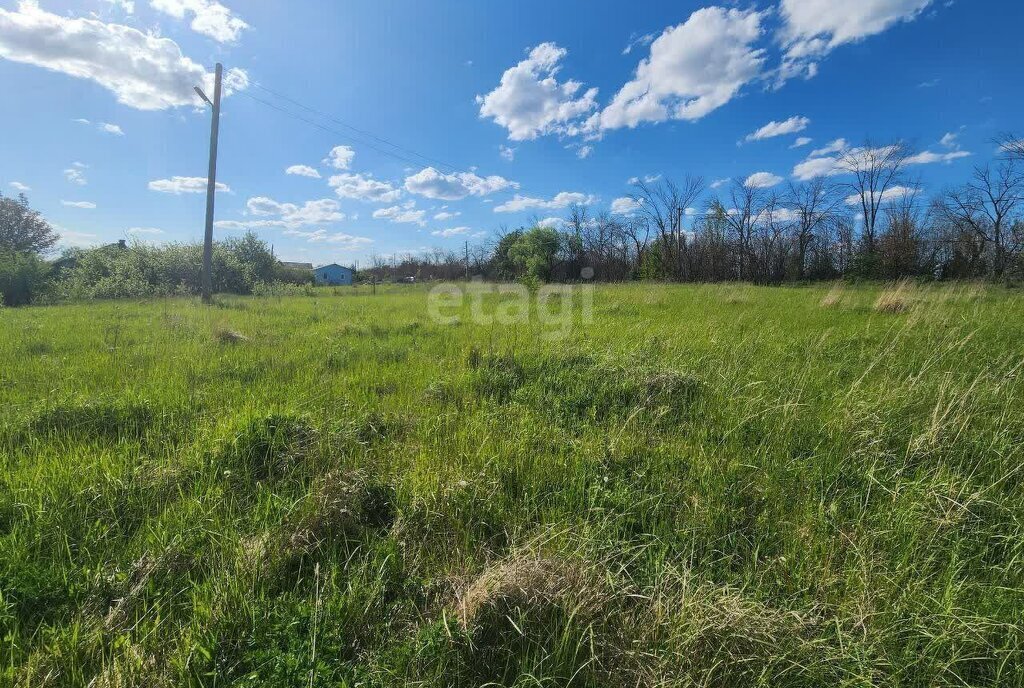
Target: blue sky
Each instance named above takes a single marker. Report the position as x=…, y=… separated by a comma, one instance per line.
x=504, y=112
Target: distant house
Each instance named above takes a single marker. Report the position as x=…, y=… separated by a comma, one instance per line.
x=333, y=275
x=296, y=266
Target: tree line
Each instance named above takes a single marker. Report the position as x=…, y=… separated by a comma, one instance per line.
x=865, y=217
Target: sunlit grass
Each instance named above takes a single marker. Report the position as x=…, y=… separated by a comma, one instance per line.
x=704, y=485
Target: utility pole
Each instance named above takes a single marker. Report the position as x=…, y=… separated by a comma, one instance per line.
x=679, y=238
x=211, y=185
x=467, y=261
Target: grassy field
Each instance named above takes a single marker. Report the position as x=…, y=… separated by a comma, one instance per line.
x=701, y=486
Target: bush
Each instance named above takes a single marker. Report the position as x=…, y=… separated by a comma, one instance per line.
x=140, y=271
x=23, y=278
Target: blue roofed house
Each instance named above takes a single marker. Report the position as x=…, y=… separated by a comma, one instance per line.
x=333, y=275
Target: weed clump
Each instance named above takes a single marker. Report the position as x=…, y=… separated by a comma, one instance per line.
x=339, y=507
x=226, y=335
x=895, y=299
x=529, y=586
x=558, y=606
x=267, y=446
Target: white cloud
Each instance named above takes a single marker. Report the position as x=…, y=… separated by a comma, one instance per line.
x=182, y=185
x=949, y=140
x=209, y=18
x=340, y=157
x=719, y=183
x=111, y=129
x=303, y=171
x=342, y=240
x=763, y=180
x=289, y=215
x=19, y=187
x=144, y=230
x=552, y=222
x=453, y=231
x=430, y=183
x=75, y=174
x=561, y=200
x=790, y=126
x=507, y=152
x=81, y=120
x=928, y=157
x=887, y=195
x=801, y=141
x=530, y=101
x=127, y=6
x=693, y=69
x=583, y=152
x=624, y=205
x=446, y=215
x=364, y=188
x=837, y=146
x=84, y=205
x=817, y=167
x=404, y=215
x=813, y=28
x=834, y=158
x=638, y=41
x=823, y=162
x=143, y=71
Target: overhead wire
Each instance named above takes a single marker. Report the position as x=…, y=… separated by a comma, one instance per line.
x=363, y=132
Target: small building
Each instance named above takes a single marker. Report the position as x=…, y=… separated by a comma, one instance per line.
x=333, y=275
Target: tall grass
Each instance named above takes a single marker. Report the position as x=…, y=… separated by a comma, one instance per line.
x=711, y=486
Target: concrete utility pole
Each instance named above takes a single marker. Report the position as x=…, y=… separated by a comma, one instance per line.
x=211, y=185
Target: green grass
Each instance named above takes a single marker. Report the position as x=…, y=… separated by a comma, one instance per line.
x=704, y=486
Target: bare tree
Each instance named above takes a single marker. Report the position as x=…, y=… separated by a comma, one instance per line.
x=637, y=230
x=987, y=206
x=901, y=244
x=814, y=207
x=1011, y=146
x=747, y=205
x=877, y=171
x=663, y=204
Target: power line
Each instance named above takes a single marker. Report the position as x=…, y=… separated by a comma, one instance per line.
x=329, y=130
x=353, y=139
x=375, y=137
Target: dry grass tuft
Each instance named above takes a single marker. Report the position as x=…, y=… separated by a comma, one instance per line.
x=226, y=335
x=895, y=299
x=834, y=297
x=530, y=584
x=735, y=296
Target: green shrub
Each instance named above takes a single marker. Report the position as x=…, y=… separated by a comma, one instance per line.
x=23, y=278
x=141, y=271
